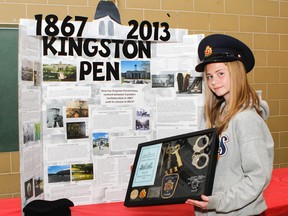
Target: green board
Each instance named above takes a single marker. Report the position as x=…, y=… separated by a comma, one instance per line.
x=9, y=90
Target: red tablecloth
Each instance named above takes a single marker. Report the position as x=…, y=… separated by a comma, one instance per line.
x=276, y=196
x=10, y=207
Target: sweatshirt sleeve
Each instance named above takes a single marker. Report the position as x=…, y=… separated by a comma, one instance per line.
x=256, y=155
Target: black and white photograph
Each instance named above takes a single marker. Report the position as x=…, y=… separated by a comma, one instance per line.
x=28, y=132
x=142, y=121
x=27, y=70
x=54, y=117
x=163, y=80
x=29, y=189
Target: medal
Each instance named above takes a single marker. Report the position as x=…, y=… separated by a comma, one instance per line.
x=134, y=194
x=143, y=193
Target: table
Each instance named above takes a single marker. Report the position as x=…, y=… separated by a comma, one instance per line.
x=276, y=196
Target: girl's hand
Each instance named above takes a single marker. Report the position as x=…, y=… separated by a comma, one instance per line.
x=201, y=204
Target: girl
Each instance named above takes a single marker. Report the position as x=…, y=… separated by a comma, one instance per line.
x=246, y=150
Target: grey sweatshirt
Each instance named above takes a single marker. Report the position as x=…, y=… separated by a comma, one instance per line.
x=244, y=167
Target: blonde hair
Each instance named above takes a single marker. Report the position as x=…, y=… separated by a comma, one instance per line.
x=242, y=96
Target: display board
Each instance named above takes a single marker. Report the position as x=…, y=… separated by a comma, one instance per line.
x=8, y=89
x=90, y=92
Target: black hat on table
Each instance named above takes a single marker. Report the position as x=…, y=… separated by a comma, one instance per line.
x=224, y=48
x=59, y=207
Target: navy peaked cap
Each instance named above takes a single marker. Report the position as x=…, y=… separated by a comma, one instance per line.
x=224, y=48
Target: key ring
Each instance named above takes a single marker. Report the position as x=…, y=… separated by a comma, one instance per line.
x=198, y=154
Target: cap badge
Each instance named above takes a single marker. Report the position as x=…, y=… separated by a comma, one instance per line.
x=208, y=51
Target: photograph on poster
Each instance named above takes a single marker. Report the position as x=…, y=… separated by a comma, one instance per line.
x=54, y=117
x=76, y=130
x=77, y=109
x=29, y=189
x=59, y=72
x=27, y=70
x=100, y=143
x=163, y=81
x=188, y=84
x=135, y=72
x=59, y=173
x=142, y=121
x=28, y=132
x=39, y=186
x=81, y=172
x=37, y=131
x=37, y=73
x=195, y=85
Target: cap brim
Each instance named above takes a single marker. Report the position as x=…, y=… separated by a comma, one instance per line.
x=201, y=66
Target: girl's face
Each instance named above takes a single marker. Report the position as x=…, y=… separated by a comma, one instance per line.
x=218, y=79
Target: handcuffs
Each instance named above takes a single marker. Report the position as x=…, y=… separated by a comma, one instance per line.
x=199, y=152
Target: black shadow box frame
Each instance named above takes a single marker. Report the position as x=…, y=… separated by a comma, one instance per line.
x=174, y=169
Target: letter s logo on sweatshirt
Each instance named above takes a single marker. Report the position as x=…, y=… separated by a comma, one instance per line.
x=223, y=145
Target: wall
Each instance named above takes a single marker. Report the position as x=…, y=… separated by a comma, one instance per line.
x=262, y=24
